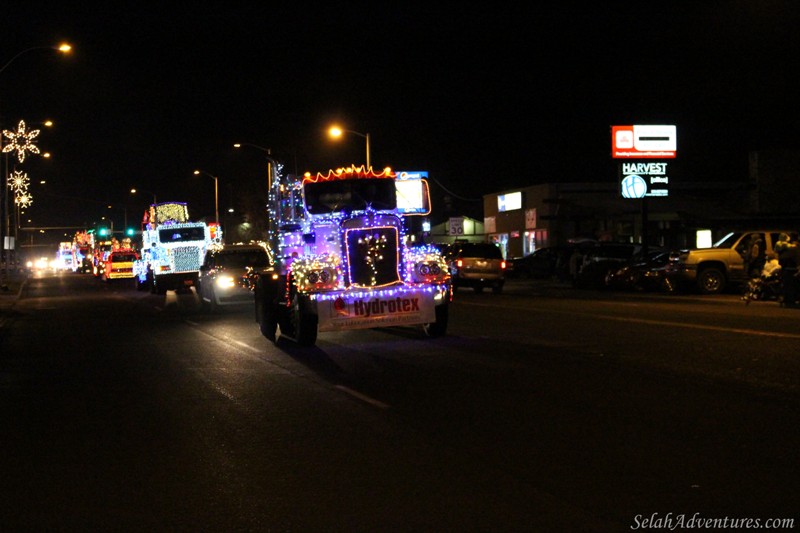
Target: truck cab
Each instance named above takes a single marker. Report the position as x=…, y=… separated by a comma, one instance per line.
x=172, y=248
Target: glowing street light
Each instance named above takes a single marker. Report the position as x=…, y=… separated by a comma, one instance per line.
x=216, y=192
x=134, y=191
x=336, y=132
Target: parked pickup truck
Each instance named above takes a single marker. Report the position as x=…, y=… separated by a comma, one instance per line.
x=726, y=262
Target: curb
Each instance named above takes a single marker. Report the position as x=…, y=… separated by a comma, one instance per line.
x=7, y=302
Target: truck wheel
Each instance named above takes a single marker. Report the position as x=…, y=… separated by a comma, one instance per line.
x=267, y=319
x=302, y=323
x=438, y=328
x=158, y=288
x=711, y=280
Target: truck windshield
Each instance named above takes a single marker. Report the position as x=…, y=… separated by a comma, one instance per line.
x=243, y=259
x=728, y=240
x=350, y=195
x=196, y=233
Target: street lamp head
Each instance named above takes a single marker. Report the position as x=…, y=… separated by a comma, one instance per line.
x=64, y=47
x=336, y=132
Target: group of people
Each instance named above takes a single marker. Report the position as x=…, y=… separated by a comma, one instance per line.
x=779, y=265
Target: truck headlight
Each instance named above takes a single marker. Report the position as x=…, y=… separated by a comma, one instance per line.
x=225, y=282
x=320, y=279
x=429, y=271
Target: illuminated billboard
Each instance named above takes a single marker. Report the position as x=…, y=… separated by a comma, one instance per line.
x=509, y=202
x=413, y=197
x=643, y=142
x=644, y=179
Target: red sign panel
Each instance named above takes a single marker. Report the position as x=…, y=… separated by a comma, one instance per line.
x=643, y=142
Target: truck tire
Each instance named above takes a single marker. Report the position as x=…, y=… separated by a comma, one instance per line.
x=267, y=321
x=159, y=288
x=266, y=311
x=438, y=328
x=301, y=322
x=711, y=280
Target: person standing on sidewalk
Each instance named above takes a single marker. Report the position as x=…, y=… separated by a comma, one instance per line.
x=789, y=258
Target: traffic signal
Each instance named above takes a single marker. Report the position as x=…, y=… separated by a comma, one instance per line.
x=103, y=232
x=130, y=232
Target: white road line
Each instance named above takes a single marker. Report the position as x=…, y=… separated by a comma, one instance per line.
x=354, y=393
x=247, y=346
x=363, y=397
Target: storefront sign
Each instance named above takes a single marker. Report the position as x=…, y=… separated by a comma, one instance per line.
x=644, y=179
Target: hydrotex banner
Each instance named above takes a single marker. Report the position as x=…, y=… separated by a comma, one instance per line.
x=364, y=310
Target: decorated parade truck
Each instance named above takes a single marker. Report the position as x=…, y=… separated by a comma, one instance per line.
x=82, y=248
x=344, y=257
x=172, y=248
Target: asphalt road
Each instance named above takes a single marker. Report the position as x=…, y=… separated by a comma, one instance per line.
x=544, y=409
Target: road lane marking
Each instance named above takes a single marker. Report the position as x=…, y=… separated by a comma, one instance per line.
x=228, y=340
x=246, y=346
x=362, y=397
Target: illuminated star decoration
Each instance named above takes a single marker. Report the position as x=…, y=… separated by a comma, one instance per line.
x=21, y=141
x=23, y=200
x=19, y=182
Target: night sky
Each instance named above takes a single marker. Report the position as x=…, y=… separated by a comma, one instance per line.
x=484, y=99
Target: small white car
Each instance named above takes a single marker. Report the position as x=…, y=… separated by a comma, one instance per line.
x=224, y=277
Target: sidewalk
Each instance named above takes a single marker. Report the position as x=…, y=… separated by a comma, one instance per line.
x=10, y=293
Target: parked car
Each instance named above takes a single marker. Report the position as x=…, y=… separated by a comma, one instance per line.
x=643, y=272
x=476, y=265
x=600, y=259
x=542, y=263
x=224, y=275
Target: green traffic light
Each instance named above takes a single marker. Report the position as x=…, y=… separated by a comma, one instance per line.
x=102, y=232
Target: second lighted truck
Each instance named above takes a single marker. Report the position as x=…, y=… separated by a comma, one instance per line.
x=343, y=258
x=172, y=248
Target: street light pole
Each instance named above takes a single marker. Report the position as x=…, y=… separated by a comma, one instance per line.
x=4, y=227
x=337, y=132
x=271, y=163
x=216, y=192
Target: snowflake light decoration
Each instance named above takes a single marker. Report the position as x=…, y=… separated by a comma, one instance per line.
x=23, y=200
x=21, y=141
x=19, y=182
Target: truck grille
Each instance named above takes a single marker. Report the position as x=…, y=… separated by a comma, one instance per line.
x=186, y=259
x=372, y=256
